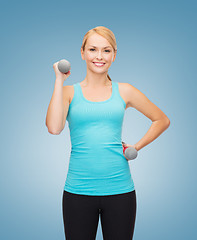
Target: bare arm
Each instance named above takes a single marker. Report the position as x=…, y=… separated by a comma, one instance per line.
x=160, y=122
x=59, y=104
x=58, y=108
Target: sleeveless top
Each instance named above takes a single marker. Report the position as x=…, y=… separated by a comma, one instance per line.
x=97, y=165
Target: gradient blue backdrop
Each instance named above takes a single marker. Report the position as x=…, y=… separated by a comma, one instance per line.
x=156, y=43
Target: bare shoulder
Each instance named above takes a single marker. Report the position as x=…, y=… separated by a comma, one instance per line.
x=125, y=86
x=68, y=92
x=132, y=94
x=142, y=103
x=125, y=92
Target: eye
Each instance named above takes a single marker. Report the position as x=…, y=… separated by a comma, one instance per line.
x=94, y=49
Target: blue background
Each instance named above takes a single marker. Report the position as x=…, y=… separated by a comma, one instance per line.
x=156, y=43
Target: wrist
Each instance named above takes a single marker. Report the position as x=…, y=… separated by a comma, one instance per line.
x=59, y=80
x=136, y=147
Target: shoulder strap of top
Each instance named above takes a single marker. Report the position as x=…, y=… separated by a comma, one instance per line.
x=116, y=89
x=76, y=93
x=117, y=93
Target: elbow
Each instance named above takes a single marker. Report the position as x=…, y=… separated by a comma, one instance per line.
x=54, y=132
x=167, y=121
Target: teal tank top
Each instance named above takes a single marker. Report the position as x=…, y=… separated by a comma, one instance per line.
x=97, y=165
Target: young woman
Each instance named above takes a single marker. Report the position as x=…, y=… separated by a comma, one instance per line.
x=99, y=181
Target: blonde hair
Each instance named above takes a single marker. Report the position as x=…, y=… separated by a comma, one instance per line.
x=104, y=32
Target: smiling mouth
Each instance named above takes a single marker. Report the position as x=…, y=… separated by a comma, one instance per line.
x=98, y=64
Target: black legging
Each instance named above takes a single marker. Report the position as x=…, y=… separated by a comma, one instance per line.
x=81, y=216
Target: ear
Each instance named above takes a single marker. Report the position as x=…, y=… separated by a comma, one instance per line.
x=114, y=57
x=82, y=54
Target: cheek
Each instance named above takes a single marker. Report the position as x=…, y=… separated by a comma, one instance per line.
x=109, y=57
x=90, y=56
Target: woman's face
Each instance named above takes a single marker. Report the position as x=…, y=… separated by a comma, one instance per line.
x=98, y=49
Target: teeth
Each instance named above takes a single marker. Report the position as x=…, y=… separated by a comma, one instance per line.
x=99, y=64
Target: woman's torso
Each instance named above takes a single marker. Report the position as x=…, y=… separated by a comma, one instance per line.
x=97, y=165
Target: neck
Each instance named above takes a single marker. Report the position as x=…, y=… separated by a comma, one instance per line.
x=96, y=80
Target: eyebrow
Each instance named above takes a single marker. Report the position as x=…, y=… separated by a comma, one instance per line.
x=104, y=47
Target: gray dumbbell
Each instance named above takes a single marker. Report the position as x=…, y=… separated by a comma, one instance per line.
x=64, y=66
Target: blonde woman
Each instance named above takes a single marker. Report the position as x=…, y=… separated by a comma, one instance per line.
x=99, y=182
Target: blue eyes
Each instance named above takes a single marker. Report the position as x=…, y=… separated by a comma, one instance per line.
x=94, y=49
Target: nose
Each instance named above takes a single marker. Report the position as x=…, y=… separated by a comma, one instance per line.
x=99, y=56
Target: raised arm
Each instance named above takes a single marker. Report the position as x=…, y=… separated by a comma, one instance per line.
x=59, y=104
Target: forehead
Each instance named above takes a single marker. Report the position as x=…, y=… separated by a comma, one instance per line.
x=97, y=41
